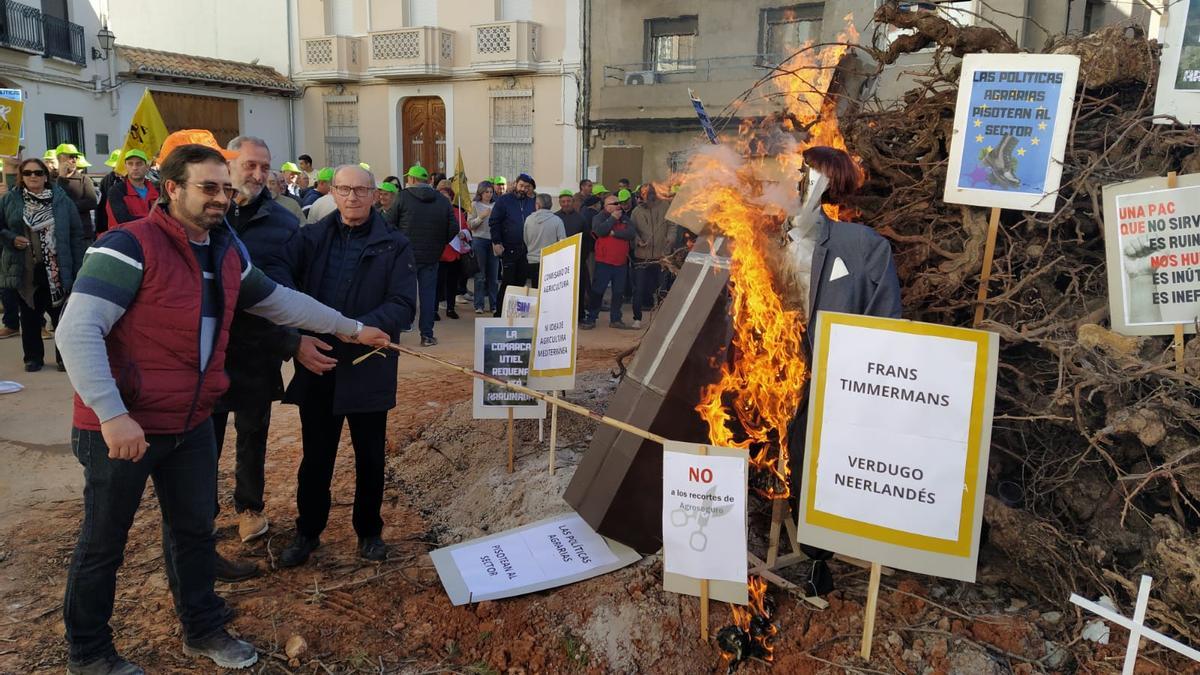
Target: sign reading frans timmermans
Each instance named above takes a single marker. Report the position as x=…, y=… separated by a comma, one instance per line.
x=899, y=428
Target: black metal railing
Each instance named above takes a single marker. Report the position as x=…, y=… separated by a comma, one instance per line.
x=63, y=39
x=21, y=26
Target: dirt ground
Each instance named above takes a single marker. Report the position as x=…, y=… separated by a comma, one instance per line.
x=447, y=482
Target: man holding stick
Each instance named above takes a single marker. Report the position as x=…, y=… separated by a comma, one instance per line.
x=144, y=338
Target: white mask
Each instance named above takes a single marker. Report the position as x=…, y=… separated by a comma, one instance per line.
x=802, y=237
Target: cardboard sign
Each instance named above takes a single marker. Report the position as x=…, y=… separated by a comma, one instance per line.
x=552, y=366
x=1152, y=245
x=519, y=304
x=899, y=427
x=502, y=348
x=12, y=107
x=1179, y=74
x=1010, y=130
x=549, y=553
x=704, y=512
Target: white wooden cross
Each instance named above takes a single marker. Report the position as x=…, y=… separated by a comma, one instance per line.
x=1137, y=629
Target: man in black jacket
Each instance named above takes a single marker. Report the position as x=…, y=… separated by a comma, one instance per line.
x=257, y=347
x=424, y=216
x=575, y=222
x=354, y=261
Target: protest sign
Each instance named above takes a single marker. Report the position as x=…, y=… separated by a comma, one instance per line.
x=519, y=304
x=1178, y=92
x=1010, y=130
x=553, y=552
x=552, y=366
x=11, y=116
x=700, y=541
x=704, y=512
x=899, y=428
x=1152, y=246
x=502, y=349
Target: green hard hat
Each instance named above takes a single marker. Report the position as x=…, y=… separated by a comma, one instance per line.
x=67, y=149
x=325, y=174
x=388, y=186
x=599, y=189
x=135, y=153
x=417, y=171
x=113, y=158
x=623, y=195
x=289, y=166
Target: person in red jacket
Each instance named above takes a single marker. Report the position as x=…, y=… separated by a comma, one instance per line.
x=613, y=233
x=133, y=197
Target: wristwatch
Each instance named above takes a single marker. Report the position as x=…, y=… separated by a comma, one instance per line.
x=358, y=326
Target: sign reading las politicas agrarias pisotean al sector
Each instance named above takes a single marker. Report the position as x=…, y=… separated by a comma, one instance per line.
x=502, y=348
x=899, y=428
x=1152, y=246
x=1010, y=130
x=552, y=365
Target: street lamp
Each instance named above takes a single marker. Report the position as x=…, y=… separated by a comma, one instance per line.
x=106, y=38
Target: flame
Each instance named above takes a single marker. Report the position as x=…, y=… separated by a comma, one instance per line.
x=761, y=385
x=762, y=632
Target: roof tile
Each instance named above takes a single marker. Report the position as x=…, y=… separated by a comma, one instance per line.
x=157, y=63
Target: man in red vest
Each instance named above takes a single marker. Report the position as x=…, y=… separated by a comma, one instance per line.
x=133, y=197
x=144, y=337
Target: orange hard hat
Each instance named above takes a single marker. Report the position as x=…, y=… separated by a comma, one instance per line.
x=193, y=136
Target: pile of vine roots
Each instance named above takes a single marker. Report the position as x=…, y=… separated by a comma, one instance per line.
x=1095, y=432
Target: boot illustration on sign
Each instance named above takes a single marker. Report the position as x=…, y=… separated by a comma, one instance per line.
x=1002, y=164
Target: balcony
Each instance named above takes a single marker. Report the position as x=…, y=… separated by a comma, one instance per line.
x=411, y=52
x=505, y=47
x=64, y=40
x=331, y=58
x=20, y=27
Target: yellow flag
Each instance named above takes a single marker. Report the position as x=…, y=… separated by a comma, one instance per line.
x=462, y=194
x=10, y=126
x=146, y=131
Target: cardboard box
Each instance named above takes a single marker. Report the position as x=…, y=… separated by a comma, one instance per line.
x=617, y=487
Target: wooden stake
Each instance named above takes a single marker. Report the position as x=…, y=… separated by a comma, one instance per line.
x=541, y=396
x=511, y=440
x=989, y=253
x=1178, y=348
x=703, y=586
x=872, y=604
x=553, y=432
x=773, y=538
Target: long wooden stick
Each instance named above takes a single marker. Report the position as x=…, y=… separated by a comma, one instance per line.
x=541, y=396
x=511, y=440
x=1172, y=183
x=872, y=604
x=989, y=253
x=703, y=586
x=553, y=433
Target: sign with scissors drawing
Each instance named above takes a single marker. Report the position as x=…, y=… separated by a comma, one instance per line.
x=704, y=513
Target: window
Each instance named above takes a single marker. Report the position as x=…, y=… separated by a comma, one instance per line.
x=341, y=130
x=420, y=13
x=64, y=129
x=671, y=43
x=512, y=132
x=55, y=8
x=516, y=10
x=339, y=17
x=102, y=144
x=783, y=31
x=677, y=161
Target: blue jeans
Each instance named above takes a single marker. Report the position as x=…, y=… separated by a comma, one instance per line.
x=606, y=273
x=488, y=278
x=184, y=470
x=427, y=285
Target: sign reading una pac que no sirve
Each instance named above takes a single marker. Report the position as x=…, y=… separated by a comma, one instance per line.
x=1010, y=130
x=502, y=348
x=1152, y=246
x=899, y=430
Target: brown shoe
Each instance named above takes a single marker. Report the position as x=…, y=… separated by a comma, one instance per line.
x=233, y=570
x=47, y=334
x=252, y=525
x=6, y=332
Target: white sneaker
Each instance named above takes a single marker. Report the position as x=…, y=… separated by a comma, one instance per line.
x=637, y=323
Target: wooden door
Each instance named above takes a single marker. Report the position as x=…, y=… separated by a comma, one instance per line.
x=424, y=124
x=193, y=111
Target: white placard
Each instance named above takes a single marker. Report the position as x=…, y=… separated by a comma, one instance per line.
x=1152, y=245
x=704, y=516
x=545, y=554
x=898, y=432
x=1011, y=124
x=1178, y=91
x=552, y=366
x=518, y=304
x=502, y=350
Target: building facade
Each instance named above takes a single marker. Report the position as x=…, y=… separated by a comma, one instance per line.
x=395, y=83
x=195, y=58
x=642, y=58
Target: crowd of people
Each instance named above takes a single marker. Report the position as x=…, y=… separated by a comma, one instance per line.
x=194, y=274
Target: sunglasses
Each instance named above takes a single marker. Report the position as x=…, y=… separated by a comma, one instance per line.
x=33, y=172
x=213, y=189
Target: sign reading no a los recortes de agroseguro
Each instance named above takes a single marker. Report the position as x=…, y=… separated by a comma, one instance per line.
x=1010, y=130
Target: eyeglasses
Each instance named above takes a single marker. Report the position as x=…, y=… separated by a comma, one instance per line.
x=359, y=191
x=213, y=189
x=33, y=172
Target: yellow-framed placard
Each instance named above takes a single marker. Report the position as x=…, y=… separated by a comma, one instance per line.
x=899, y=429
x=553, y=360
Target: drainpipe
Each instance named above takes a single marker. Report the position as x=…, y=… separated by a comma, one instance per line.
x=291, y=73
x=583, y=114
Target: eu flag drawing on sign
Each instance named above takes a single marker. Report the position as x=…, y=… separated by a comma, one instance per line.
x=704, y=121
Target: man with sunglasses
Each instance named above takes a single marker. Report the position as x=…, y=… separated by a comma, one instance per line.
x=353, y=261
x=144, y=338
